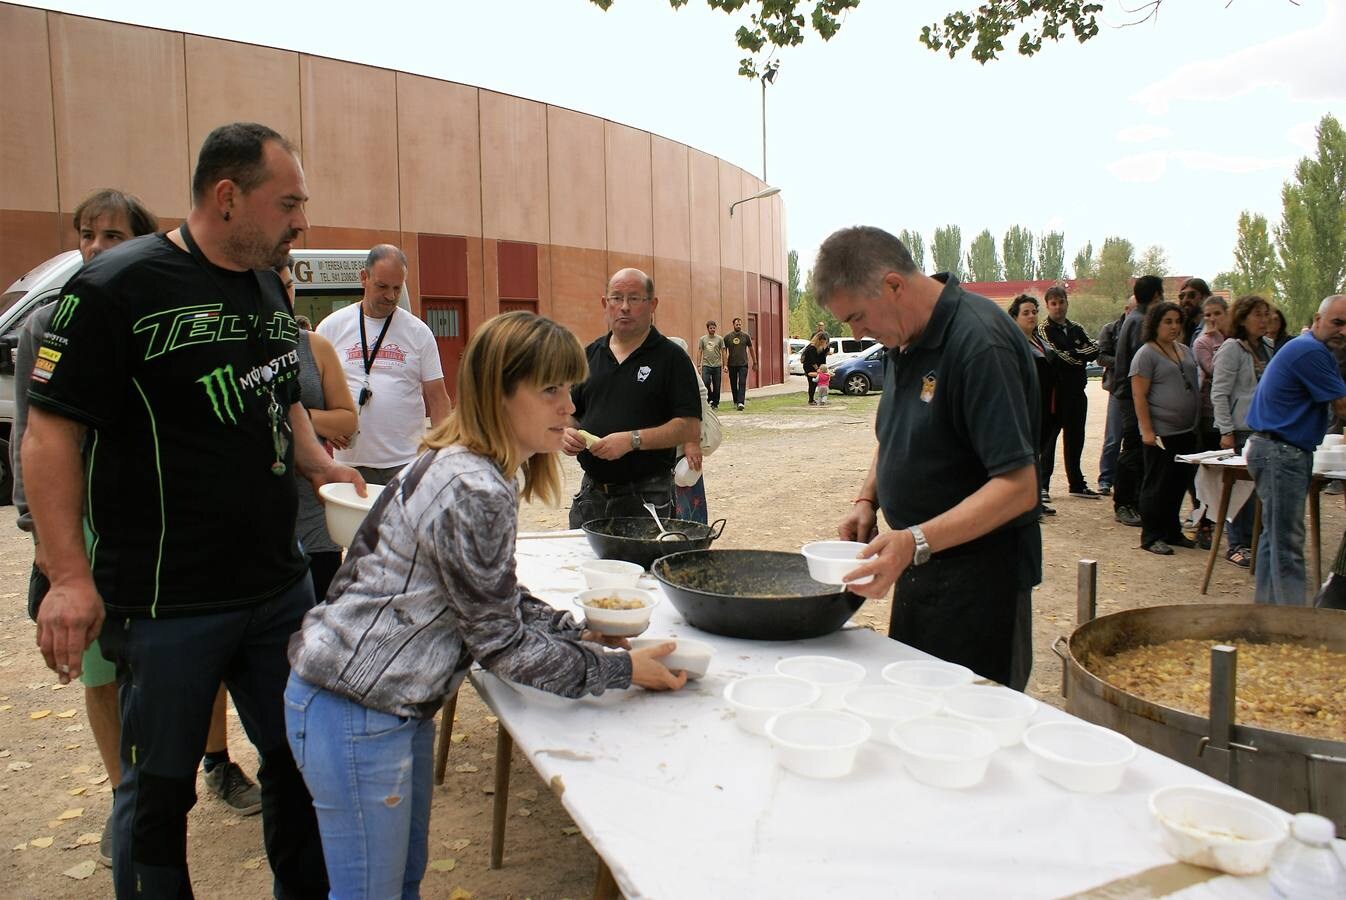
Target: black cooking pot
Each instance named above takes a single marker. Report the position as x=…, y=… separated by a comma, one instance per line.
x=637, y=539
x=761, y=595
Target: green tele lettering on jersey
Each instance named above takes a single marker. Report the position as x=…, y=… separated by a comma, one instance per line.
x=187, y=326
x=65, y=309
x=222, y=389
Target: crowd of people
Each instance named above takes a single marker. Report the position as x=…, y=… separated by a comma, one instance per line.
x=173, y=368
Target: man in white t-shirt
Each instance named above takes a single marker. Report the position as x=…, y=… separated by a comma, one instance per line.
x=392, y=367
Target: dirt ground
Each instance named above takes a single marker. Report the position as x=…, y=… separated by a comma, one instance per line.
x=785, y=474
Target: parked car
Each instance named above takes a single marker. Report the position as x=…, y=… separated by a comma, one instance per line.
x=1093, y=370
x=839, y=350
x=860, y=374
x=794, y=347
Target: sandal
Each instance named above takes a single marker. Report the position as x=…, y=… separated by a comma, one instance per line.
x=1239, y=556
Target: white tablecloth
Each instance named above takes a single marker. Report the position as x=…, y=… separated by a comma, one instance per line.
x=682, y=803
x=1209, y=481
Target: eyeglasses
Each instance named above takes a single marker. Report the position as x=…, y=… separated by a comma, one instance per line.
x=630, y=300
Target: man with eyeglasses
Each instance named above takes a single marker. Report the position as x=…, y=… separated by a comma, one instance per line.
x=639, y=402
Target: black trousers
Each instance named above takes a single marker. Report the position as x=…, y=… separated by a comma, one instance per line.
x=1165, y=483
x=738, y=383
x=1130, y=461
x=322, y=568
x=711, y=376
x=622, y=500
x=168, y=671
x=969, y=610
x=1072, y=408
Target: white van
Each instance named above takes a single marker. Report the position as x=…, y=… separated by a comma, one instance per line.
x=839, y=349
x=324, y=280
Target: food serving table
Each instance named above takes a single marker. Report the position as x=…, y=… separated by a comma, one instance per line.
x=679, y=802
x=1234, y=477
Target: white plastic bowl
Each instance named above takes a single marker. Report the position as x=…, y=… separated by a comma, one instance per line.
x=617, y=622
x=1079, y=756
x=944, y=753
x=1001, y=711
x=1217, y=828
x=757, y=698
x=830, y=560
x=1332, y=440
x=692, y=656
x=610, y=573
x=345, y=509
x=817, y=743
x=886, y=705
x=931, y=675
x=833, y=676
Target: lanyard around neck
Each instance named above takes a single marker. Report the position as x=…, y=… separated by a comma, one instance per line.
x=378, y=342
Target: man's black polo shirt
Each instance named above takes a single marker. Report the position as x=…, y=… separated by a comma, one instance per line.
x=652, y=385
x=959, y=407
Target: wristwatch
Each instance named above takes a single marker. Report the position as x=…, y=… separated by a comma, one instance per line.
x=921, y=555
x=635, y=440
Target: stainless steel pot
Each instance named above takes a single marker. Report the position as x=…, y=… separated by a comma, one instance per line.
x=1296, y=773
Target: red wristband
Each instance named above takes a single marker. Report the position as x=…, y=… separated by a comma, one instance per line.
x=864, y=500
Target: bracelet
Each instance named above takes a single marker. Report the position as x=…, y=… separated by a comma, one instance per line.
x=864, y=500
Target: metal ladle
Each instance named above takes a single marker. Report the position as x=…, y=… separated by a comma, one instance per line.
x=660, y=525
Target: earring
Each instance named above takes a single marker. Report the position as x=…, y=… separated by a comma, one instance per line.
x=226, y=215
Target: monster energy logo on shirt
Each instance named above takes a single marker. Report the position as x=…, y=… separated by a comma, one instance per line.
x=65, y=309
x=222, y=389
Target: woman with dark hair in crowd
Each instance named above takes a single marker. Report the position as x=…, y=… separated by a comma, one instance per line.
x=1238, y=367
x=1278, y=332
x=1024, y=312
x=811, y=357
x=1168, y=404
x=1192, y=298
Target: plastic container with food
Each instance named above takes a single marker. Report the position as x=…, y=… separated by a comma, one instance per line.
x=1218, y=828
x=833, y=676
x=1079, y=756
x=1002, y=711
x=756, y=698
x=691, y=656
x=618, y=612
x=944, y=753
x=817, y=743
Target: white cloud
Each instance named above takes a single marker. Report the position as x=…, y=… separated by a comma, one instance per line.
x=1142, y=134
x=1309, y=64
x=1150, y=167
x=1304, y=136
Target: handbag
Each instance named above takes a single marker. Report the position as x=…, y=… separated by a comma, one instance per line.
x=711, y=432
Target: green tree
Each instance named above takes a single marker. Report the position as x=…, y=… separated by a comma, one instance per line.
x=1085, y=265
x=1225, y=282
x=983, y=262
x=1052, y=256
x=792, y=278
x=1254, y=257
x=915, y=245
x=1018, y=254
x=1116, y=268
x=1154, y=261
x=947, y=250
x=806, y=315
x=774, y=24
x=1311, y=239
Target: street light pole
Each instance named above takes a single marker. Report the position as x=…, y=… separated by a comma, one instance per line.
x=768, y=76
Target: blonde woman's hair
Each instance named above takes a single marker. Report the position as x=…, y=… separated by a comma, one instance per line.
x=512, y=350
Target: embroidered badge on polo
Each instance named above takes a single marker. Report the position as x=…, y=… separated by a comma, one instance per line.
x=642, y=373
x=928, y=387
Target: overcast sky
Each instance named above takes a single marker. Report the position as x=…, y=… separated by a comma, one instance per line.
x=1159, y=133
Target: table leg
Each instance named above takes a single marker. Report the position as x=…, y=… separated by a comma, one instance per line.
x=1257, y=534
x=1315, y=534
x=448, y=711
x=605, y=886
x=1226, y=488
x=504, y=750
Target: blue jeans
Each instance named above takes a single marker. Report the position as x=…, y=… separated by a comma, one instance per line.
x=1282, y=472
x=370, y=774
x=1112, y=442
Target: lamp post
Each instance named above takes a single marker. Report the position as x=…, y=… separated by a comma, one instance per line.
x=764, y=192
x=768, y=77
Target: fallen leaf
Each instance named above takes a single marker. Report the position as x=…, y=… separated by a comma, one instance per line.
x=71, y=814
x=530, y=795
x=72, y=746
x=55, y=823
x=460, y=894
x=524, y=811
x=6, y=707
x=459, y=738
x=4, y=754
x=58, y=687
x=76, y=727
x=80, y=770
x=23, y=846
x=254, y=863
x=443, y=865
x=81, y=871
x=66, y=714
x=39, y=714
x=42, y=841
x=570, y=829
x=75, y=792
x=19, y=766
x=460, y=844
x=88, y=838
x=465, y=767
x=492, y=719
x=98, y=779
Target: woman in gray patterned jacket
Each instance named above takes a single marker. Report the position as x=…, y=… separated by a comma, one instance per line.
x=429, y=586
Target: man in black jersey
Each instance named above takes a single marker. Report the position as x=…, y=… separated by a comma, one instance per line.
x=174, y=357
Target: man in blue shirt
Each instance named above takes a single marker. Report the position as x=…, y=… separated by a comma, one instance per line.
x=1289, y=414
